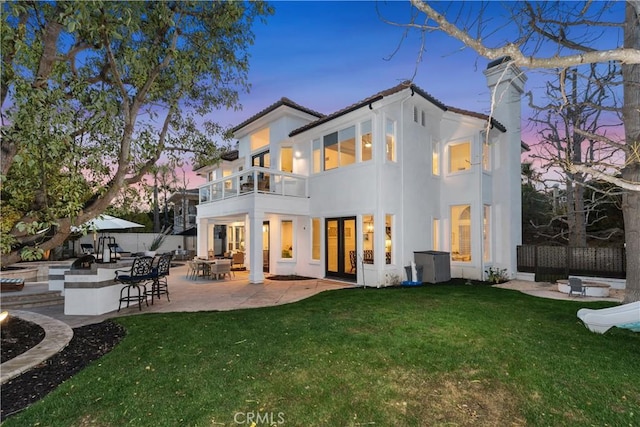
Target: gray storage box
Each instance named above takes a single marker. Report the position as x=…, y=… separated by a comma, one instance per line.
x=436, y=265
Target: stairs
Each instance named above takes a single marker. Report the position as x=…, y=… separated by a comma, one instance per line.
x=34, y=294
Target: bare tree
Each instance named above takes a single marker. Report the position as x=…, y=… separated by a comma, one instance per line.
x=578, y=105
x=557, y=35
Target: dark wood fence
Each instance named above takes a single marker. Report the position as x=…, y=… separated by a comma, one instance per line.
x=550, y=263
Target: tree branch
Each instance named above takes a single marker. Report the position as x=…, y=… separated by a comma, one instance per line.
x=624, y=55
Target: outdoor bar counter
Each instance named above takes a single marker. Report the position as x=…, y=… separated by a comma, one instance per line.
x=90, y=291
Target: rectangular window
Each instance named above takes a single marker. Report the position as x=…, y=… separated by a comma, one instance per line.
x=436, y=234
x=415, y=114
x=286, y=238
x=315, y=239
x=331, y=152
x=367, y=237
x=366, y=141
x=286, y=159
x=259, y=139
x=388, y=242
x=459, y=157
x=235, y=238
x=435, y=158
x=390, y=140
x=317, y=156
x=347, y=146
x=486, y=232
x=423, y=119
x=461, y=233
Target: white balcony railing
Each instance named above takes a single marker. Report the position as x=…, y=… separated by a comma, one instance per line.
x=253, y=181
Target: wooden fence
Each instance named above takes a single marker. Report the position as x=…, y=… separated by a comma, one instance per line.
x=550, y=263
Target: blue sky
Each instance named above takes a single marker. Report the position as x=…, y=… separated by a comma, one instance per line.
x=327, y=55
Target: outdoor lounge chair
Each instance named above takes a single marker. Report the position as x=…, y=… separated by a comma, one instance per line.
x=87, y=248
x=576, y=286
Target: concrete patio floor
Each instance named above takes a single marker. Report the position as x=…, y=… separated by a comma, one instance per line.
x=203, y=294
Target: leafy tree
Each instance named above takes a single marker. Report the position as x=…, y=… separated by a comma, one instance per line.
x=556, y=35
x=94, y=92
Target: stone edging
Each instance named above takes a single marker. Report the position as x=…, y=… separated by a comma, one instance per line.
x=57, y=336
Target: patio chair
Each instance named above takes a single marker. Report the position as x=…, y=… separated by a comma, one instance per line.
x=576, y=286
x=237, y=260
x=223, y=267
x=159, y=273
x=135, y=280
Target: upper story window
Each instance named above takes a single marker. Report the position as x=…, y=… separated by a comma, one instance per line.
x=435, y=158
x=340, y=148
x=261, y=159
x=259, y=139
x=415, y=114
x=459, y=157
x=286, y=159
x=390, y=139
x=366, y=141
x=423, y=118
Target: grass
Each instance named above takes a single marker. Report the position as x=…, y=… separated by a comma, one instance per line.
x=436, y=355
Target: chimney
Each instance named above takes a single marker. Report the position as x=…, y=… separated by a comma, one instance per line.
x=506, y=84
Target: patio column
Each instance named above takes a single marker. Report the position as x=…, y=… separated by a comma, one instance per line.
x=256, y=275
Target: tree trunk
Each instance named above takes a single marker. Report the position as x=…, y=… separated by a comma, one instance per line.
x=631, y=213
x=577, y=222
x=631, y=172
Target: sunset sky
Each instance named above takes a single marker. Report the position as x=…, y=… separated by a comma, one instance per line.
x=327, y=55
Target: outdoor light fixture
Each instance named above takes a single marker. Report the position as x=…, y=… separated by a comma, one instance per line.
x=3, y=316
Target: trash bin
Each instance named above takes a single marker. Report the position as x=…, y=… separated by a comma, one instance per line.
x=436, y=265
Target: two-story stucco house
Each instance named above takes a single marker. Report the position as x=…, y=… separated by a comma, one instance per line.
x=353, y=194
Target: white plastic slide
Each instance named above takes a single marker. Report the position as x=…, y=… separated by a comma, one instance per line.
x=623, y=316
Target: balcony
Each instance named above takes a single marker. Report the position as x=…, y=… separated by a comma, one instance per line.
x=254, y=181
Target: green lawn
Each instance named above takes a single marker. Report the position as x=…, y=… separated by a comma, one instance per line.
x=434, y=355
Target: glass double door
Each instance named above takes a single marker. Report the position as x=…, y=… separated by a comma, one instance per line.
x=340, y=243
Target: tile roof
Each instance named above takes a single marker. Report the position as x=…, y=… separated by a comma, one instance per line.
x=282, y=102
x=230, y=155
x=398, y=88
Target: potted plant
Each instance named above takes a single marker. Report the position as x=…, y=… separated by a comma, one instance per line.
x=155, y=244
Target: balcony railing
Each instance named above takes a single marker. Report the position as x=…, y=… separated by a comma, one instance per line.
x=253, y=181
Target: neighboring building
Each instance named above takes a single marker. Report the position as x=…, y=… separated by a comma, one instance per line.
x=353, y=194
x=185, y=211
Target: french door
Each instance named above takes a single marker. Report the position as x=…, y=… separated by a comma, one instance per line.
x=340, y=245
